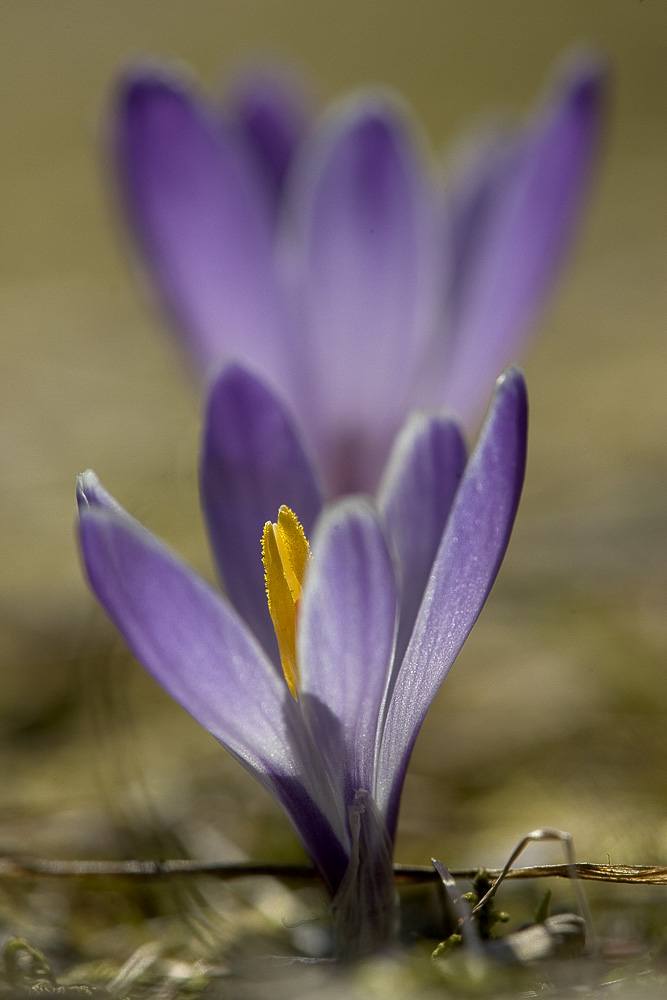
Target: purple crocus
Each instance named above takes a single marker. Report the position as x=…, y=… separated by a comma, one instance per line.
x=320, y=254
x=388, y=598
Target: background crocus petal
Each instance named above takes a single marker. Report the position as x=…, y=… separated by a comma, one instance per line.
x=415, y=497
x=524, y=220
x=199, y=651
x=363, y=259
x=484, y=171
x=464, y=570
x=270, y=112
x=203, y=221
x=252, y=462
x=346, y=630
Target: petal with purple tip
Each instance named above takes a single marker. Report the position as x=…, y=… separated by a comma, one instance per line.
x=346, y=631
x=203, y=222
x=252, y=462
x=415, y=497
x=196, y=647
x=270, y=112
x=530, y=216
x=363, y=224
x=464, y=570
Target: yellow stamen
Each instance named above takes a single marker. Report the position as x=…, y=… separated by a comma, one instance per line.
x=285, y=554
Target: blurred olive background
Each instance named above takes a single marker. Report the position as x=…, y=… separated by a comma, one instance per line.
x=556, y=712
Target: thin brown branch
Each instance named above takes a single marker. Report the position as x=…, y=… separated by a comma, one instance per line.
x=631, y=874
x=17, y=866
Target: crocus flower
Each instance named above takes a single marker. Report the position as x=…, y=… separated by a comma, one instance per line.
x=321, y=254
x=327, y=723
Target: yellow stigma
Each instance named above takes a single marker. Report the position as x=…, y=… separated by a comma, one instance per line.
x=285, y=554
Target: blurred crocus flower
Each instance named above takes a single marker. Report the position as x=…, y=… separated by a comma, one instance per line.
x=321, y=254
x=327, y=722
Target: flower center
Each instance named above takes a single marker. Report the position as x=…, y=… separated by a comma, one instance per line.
x=285, y=554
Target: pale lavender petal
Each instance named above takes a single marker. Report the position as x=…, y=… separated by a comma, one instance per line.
x=347, y=619
x=252, y=462
x=270, y=111
x=415, y=497
x=364, y=226
x=532, y=208
x=199, y=651
x=203, y=221
x=477, y=192
x=465, y=568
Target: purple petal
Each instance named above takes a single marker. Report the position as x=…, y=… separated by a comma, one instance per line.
x=270, y=112
x=482, y=178
x=252, y=462
x=415, y=498
x=347, y=620
x=364, y=224
x=200, y=652
x=465, y=568
x=203, y=222
x=530, y=207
